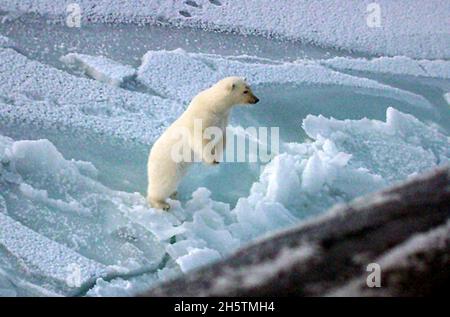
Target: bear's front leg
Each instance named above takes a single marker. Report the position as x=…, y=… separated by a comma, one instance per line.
x=210, y=157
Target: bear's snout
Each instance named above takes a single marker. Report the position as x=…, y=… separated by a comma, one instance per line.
x=255, y=100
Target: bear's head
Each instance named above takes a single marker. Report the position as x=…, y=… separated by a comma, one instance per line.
x=237, y=91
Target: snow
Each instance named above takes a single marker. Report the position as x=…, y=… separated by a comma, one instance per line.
x=411, y=254
x=414, y=28
x=196, y=258
x=254, y=275
x=68, y=101
x=401, y=255
x=100, y=68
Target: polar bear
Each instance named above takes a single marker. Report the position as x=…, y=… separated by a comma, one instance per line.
x=208, y=110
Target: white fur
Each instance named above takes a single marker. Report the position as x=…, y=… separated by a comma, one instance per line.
x=212, y=106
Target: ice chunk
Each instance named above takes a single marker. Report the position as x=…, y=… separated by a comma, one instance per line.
x=196, y=258
x=163, y=226
x=282, y=183
x=122, y=287
x=100, y=68
x=373, y=143
x=182, y=247
x=132, y=286
x=197, y=74
x=398, y=65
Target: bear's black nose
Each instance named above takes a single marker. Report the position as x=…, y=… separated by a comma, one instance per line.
x=256, y=99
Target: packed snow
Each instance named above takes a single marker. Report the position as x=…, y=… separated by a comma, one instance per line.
x=75, y=134
x=413, y=28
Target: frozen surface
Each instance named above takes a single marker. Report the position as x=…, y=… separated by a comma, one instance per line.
x=412, y=28
x=100, y=68
x=73, y=150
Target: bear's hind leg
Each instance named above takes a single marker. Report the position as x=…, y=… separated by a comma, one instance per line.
x=158, y=203
x=174, y=195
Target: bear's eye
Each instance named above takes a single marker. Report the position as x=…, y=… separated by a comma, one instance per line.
x=246, y=92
